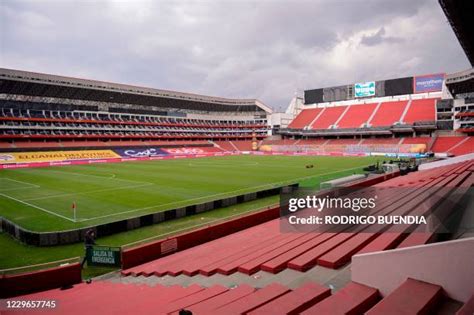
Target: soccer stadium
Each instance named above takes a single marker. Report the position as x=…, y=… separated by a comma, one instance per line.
x=124, y=199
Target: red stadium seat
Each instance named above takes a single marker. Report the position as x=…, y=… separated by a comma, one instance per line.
x=304, y=118
x=421, y=110
x=412, y=297
x=328, y=117
x=388, y=113
x=354, y=298
x=356, y=116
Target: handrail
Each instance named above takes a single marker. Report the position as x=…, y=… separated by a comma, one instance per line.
x=35, y=267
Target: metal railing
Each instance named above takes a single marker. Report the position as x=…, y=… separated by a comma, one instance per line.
x=42, y=266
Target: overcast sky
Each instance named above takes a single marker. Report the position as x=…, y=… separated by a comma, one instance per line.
x=255, y=49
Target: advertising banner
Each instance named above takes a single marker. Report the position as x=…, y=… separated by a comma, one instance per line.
x=428, y=83
x=185, y=150
x=135, y=152
x=114, y=160
x=31, y=157
x=364, y=89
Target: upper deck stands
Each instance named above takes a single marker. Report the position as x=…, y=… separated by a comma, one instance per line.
x=38, y=145
x=421, y=110
x=304, y=118
x=356, y=116
x=388, y=113
x=328, y=117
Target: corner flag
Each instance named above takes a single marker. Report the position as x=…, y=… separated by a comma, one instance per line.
x=74, y=209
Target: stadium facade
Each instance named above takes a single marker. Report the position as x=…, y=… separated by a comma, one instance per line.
x=48, y=108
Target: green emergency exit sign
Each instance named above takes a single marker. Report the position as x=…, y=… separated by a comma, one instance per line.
x=103, y=256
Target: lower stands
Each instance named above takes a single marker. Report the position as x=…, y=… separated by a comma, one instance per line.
x=451, y=145
x=226, y=146
x=295, y=301
x=243, y=145
x=411, y=297
x=354, y=298
x=465, y=147
x=280, y=142
x=456, y=145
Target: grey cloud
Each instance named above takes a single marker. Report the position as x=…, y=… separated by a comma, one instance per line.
x=264, y=49
x=378, y=38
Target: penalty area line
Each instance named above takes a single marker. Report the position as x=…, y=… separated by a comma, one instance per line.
x=37, y=207
x=88, y=192
x=20, y=182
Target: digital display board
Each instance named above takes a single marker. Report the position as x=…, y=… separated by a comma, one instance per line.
x=364, y=89
x=428, y=83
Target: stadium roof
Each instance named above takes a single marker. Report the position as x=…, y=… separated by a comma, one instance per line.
x=19, y=82
x=459, y=14
x=461, y=82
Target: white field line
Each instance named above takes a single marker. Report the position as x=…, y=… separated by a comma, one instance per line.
x=31, y=186
x=230, y=193
x=87, y=192
x=15, y=189
x=36, y=207
x=198, y=164
x=112, y=177
x=18, y=181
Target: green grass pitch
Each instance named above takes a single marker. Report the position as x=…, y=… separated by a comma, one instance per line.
x=40, y=199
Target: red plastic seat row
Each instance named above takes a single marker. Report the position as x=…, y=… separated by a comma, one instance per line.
x=357, y=115
x=243, y=145
x=444, y=144
x=246, y=239
x=295, y=301
x=388, y=113
x=412, y=297
x=465, y=148
x=421, y=110
x=304, y=118
x=329, y=117
x=354, y=298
